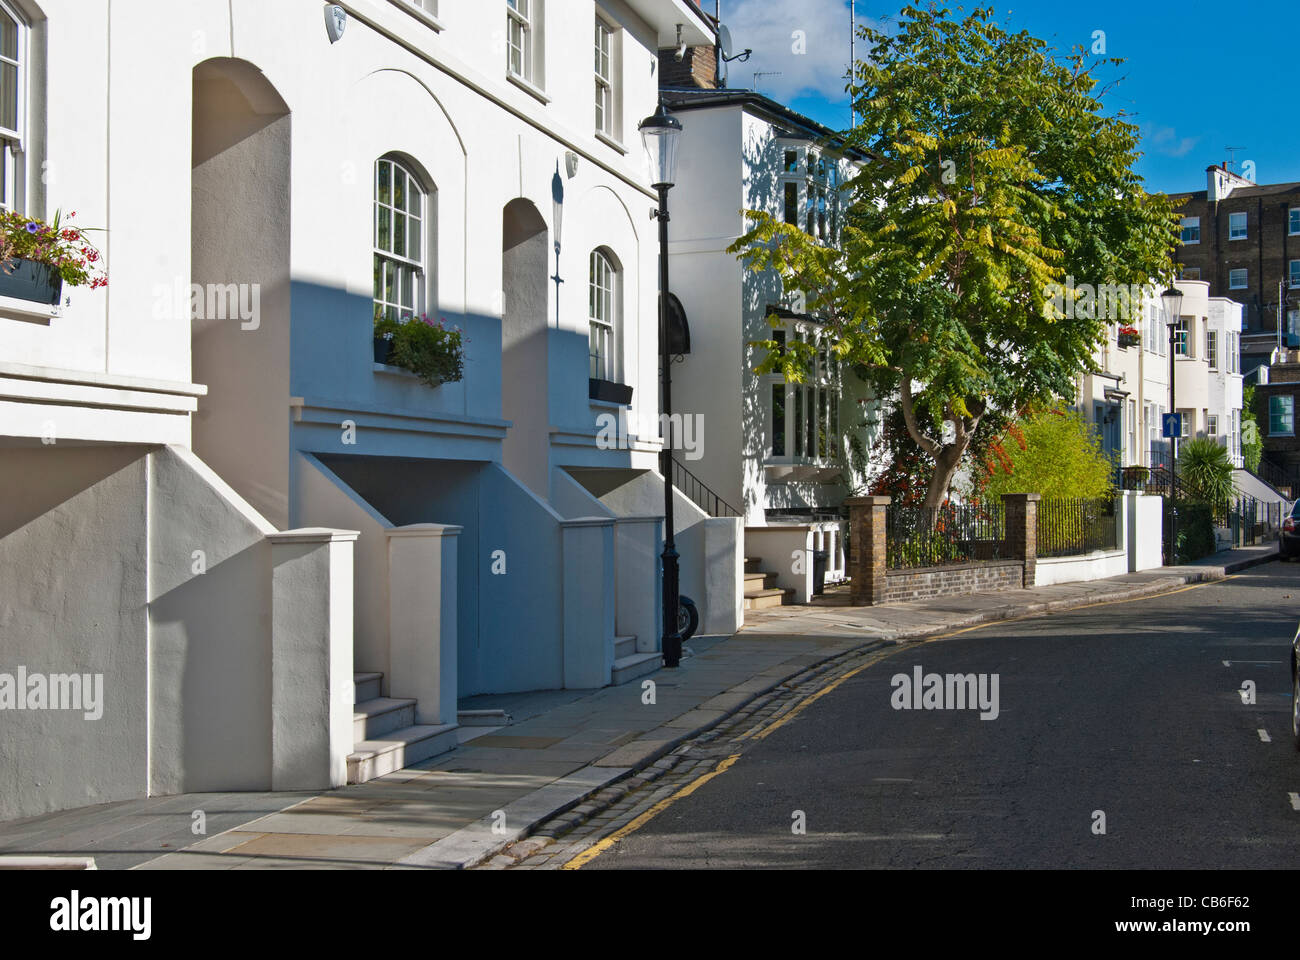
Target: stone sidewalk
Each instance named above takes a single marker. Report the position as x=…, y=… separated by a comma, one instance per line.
x=459, y=809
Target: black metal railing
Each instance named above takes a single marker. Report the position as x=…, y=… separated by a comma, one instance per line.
x=695, y=490
x=1076, y=526
x=1285, y=480
x=953, y=533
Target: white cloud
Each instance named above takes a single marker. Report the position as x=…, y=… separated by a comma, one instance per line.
x=1165, y=140
x=774, y=30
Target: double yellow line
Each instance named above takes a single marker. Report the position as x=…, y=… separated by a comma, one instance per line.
x=594, y=851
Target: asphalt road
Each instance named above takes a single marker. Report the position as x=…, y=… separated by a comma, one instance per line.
x=1126, y=709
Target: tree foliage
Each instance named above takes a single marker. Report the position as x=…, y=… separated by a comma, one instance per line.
x=1252, y=447
x=992, y=174
x=1053, y=453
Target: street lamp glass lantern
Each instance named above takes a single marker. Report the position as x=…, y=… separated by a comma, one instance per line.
x=660, y=134
x=1173, y=301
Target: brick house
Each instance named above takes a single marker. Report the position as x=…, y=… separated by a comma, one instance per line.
x=1243, y=239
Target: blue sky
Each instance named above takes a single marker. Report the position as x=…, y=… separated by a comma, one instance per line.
x=1198, y=76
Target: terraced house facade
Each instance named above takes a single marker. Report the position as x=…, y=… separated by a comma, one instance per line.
x=287, y=555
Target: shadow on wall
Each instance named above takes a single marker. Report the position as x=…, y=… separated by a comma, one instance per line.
x=510, y=566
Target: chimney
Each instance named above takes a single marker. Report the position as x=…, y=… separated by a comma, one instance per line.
x=697, y=70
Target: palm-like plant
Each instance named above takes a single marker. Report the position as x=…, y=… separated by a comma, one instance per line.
x=1206, y=470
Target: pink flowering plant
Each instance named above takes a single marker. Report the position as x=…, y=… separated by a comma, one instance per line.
x=428, y=348
x=59, y=245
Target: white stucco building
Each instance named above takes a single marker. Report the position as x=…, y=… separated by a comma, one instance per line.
x=776, y=452
x=223, y=503
x=1127, y=398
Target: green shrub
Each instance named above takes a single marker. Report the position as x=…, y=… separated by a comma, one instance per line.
x=426, y=347
x=1206, y=470
x=1054, y=453
x=1194, y=531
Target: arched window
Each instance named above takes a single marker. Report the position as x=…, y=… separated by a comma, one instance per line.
x=603, y=313
x=13, y=107
x=400, y=248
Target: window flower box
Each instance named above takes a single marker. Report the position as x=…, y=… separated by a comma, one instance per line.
x=609, y=391
x=427, y=348
x=32, y=280
x=1129, y=337
x=37, y=259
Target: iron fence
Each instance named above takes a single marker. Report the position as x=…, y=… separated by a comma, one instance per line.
x=953, y=533
x=1069, y=527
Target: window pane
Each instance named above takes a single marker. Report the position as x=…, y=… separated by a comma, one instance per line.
x=408, y=287
x=385, y=240
x=792, y=204
x=399, y=235
x=413, y=248
x=379, y=277
x=778, y=419
x=399, y=188
x=390, y=278
x=8, y=36
x=385, y=181
x=798, y=420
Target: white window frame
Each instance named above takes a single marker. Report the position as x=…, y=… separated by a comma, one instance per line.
x=1245, y=278
x=1293, y=221
x=525, y=32
x=426, y=11
x=1189, y=223
x=1212, y=426
x=603, y=310
x=1186, y=419
x=13, y=172
x=404, y=265
x=1183, y=337
x=822, y=391
x=1241, y=217
x=1293, y=273
x=609, y=88
x=1212, y=348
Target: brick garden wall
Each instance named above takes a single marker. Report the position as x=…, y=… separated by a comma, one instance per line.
x=953, y=580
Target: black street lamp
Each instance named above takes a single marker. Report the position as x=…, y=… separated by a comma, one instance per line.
x=660, y=134
x=1173, y=302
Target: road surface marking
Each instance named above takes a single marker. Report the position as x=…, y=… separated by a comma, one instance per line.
x=1228, y=663
x=594, y=851
x=1295, y=800
x=591, y=853
x=1263, y=735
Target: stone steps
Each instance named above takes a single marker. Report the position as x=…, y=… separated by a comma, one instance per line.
x=385, y=734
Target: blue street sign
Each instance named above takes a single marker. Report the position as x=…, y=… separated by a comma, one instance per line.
x=1173, y=424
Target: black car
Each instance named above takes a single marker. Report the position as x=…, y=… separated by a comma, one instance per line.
x=1289, y=540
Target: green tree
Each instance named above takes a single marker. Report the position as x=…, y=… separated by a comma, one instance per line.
x=1252, y=447
x=1206, y=470
x=1053, y=453
x=991, y=175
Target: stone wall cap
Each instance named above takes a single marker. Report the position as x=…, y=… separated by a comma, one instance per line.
x=425, y=530
x=874, y=501
x=314, y=535
x=588, y=522
x=1022, y=496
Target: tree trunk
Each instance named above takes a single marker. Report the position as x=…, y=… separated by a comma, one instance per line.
x=946, y=463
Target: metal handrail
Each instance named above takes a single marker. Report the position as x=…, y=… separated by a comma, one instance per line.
x=694, y=489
